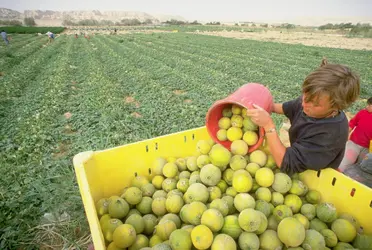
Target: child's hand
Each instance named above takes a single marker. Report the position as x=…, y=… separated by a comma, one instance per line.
x=260, y=117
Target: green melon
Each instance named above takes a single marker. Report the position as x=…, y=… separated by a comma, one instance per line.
x=291, y=232
x=180, y=239
x=222, y=242
x=231, y=226
x=326, y=212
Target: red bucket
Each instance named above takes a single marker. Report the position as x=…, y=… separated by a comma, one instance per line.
x=245, y=96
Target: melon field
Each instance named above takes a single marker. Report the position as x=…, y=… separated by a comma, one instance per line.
x=75, y=95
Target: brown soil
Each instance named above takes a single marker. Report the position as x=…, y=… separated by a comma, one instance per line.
x=179, y=92
x=62, y=150
x=136, y=115
x=319, y=39
x=130, y=99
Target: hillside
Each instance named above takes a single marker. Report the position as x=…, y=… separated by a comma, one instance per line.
x=56, y=17
x=10, y=14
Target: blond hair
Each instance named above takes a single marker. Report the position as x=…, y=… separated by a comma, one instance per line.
x=335, y=80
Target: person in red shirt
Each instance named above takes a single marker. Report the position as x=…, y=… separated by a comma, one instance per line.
x=357, y=146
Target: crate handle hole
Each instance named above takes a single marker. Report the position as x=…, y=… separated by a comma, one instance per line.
x=149, y=171
x=147, y=148
x=334, y=181
x=193, y=136
x=352, y=193
x=370, y=204
x=135, y=174
x=184, y=138
x=156, y=146
x=318, y=174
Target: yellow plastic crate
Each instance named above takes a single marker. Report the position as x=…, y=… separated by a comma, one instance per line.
x=104, y=173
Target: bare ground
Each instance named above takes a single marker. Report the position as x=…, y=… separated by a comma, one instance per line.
x=327, y=39
x=319, y=39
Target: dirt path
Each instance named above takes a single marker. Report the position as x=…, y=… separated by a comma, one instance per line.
x=320, y=39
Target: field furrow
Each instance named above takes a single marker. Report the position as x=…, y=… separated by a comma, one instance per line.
x=29, y=138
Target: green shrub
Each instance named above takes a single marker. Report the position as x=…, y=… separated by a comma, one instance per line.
x=31, y=30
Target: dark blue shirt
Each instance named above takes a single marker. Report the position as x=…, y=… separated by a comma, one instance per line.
x=315, y=143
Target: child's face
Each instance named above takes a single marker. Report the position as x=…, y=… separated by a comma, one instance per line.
x=369, y=108
x=318, y=107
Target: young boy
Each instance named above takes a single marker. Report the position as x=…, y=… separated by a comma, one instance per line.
x=360, y=127
x=319, y=127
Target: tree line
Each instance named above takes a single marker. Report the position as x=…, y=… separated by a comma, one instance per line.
x=28, y=21
x=125, y=22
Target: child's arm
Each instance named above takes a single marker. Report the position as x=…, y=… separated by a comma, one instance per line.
x=278, y=108
x=354, y=121
x=276, y=146
x=262, y=118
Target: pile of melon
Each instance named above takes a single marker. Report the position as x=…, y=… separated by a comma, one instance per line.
x=235, y=125
x=220, y=199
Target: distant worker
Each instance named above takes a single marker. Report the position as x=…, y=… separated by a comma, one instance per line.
x=76, y=35
x=50, y=36
x=86, y=35
x=5, y=37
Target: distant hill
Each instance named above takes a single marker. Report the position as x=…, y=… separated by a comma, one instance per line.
x=56, y=17
x=10, y=14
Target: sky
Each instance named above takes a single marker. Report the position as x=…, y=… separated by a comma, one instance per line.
x=217, y=10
